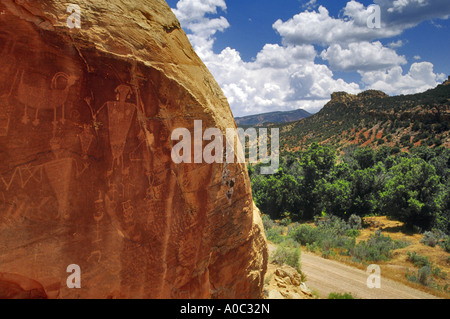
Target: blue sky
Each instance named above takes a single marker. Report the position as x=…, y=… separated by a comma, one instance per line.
x=272, y=55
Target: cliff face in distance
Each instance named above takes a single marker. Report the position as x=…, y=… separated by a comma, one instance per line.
x=86, y=175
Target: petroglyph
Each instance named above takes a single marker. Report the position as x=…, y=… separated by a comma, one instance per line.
x=120, y=115
x=44, y=98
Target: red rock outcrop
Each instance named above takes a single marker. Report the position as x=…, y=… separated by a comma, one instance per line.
x=86, y=175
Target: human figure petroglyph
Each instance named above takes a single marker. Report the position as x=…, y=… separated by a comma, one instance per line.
x=120, y=115
x=59, y=174
x=86, y=138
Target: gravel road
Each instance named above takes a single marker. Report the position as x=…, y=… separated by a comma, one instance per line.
x=326, y=276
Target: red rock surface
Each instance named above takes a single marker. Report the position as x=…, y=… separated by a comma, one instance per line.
x=86, y=175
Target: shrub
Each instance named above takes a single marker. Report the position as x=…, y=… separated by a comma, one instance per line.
x=275, y=235
x=274, y=232
x=287, y=255
x=314, y=247
x=355, y=222
x=352, y=233
x=432, y=238
x=286, y=221
x=424, y=276
x=437, y=272
x=377, y=247
x=267, y=221
x=426, y=270
x=405, y=140
x=429, y=239
x=337, y=295
x=418, y=260
x=445, y=244
x=305, y=234
x=333, y=225
x=328, y=253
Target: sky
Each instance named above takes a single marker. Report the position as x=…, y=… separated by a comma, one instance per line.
x=282, y=55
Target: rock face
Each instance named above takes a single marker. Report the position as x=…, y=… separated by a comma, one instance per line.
x=284, y=282
x=344, y=97
x=86, y=175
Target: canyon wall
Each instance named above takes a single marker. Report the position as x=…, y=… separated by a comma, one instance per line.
x=86, y=174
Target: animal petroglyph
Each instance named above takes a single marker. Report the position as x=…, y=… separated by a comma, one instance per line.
x=42, y=98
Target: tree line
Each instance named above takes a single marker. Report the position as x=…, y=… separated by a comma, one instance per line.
x=412, y=187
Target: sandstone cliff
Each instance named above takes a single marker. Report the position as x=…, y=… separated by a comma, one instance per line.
x=86, y=175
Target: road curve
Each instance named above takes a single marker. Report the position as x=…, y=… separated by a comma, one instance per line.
x=325, y=276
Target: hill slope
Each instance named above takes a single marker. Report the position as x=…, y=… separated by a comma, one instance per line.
x=373, y=118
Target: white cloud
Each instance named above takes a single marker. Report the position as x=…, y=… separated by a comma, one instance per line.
x=409, y=13
x=361, y=56
x=281, y=78
x=396, y=44
x=311, y=4
x=318, y=27
x=188, y=11
x=399, y=5
x=191, y=14
x=275, y=56
x=286, y=77
x=420, y=77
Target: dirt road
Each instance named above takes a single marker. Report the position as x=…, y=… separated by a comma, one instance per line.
x=326, y=276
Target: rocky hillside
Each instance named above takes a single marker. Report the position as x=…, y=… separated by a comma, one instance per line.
x=373, y=119
x=87, y=108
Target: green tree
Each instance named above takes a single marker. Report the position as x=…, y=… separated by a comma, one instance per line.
x=412, y=193
x=316, y=163
x=336, y=197
x=365, y=157
x=276, y=195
